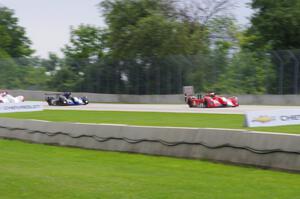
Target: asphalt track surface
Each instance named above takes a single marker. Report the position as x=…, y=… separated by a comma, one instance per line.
x=178, y=108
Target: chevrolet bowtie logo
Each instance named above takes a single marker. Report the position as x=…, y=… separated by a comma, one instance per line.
x=263, y=119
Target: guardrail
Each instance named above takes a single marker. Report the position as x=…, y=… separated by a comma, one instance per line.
x=280, y=151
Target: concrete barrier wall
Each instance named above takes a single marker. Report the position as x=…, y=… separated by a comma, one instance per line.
x=281, y=151
x=282, y=100
x=111, y=98
x=290, y=100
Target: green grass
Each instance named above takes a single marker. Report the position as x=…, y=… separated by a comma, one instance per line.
x=134, y=118
x=230, y=121
x=33, y=171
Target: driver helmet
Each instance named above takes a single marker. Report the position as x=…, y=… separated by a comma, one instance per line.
x=67, y=94
x=212, y=94
x=3, y=93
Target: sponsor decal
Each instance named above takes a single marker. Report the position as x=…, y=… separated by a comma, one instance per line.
x=289, y=117
x=263, y=119
x=273, y=118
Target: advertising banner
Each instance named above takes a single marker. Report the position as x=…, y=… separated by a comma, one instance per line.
x=273, y=118
x=20, y=107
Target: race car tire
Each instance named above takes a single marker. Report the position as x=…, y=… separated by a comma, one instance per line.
x=190, y=103
x=205, y=104
x=85, y=100
x=62, y=100
x=50, y=101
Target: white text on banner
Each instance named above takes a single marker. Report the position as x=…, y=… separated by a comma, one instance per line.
x=273, y=118
x=20, y=107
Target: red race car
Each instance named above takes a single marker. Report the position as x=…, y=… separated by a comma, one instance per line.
x=211, y=100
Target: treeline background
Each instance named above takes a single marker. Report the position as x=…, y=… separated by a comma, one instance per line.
x=158, y=46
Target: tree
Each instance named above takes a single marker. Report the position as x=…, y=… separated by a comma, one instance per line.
x=275, y=25
x=149, y=28
x=86, y=45
x=142, y=35
x=22, y=73
x=16, y=69
x=86, y=42
x=247, y=73
x=52, y=63
x=64, y=80
x=84, y=50
x=208, y=68
x=13, y=41
x=203, y=11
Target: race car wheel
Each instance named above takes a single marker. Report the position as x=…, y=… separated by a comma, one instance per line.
x=62, y=100
x=190, y=103
x=205, y=104
x=50, y=101
x=85, y=100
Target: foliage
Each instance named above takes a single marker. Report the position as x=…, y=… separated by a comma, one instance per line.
x=276, y=27
x=51, y=63
x=157, y=46
x=21, y=74
x=9, y=74
x=86, y=45
x=104, y=76
x=86, y=42
x=64, y=80
x=143, y=35
x=209, y=67
x=13, y=40
x=249, y=73
x=141, y=42
x=147, y=28
x=17, y=69
x=275, y=24
x=85, y=48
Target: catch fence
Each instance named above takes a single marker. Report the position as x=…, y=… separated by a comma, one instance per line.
x=275, y=72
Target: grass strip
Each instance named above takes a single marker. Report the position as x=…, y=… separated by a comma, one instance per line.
x=229, y=121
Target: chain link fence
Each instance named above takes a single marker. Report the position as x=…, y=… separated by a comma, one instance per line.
x=275, y=72
x=287, y=69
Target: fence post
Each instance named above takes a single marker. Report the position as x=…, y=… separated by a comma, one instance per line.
x=296, y=72
x=280, y=81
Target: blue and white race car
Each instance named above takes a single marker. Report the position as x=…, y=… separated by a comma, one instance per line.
x=65, y=99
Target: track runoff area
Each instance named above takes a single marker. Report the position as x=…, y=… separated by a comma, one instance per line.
x=177, y=108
